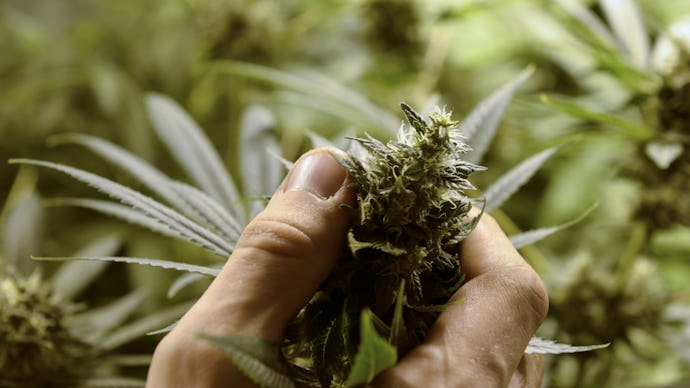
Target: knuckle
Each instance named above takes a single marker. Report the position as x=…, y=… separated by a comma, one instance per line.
x=277, y=237
x=531, y=290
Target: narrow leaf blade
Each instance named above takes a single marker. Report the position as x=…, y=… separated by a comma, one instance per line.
x=141, y=260
x=174, y=220
x=73, y=277
x=260, y=360
x=192, y=149
x=533, y=236
x=543, y=346
x=480, y=125
x=510, y=182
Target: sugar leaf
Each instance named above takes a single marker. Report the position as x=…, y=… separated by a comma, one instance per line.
x=374, y=355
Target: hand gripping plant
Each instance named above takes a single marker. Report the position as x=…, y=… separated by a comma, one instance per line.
x=398, y=269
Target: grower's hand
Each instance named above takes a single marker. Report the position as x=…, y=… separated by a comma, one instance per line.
x=289, y=249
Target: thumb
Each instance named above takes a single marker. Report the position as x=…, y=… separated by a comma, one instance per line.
x=283, y=255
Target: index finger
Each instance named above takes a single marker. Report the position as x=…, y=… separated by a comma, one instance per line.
x=483, y=338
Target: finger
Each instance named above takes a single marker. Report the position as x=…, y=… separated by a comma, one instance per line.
x=285, y=253
x=529, y=372
x=483, y=338
x=280, y=260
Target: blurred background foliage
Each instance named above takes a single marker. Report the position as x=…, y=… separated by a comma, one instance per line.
x=611, y=83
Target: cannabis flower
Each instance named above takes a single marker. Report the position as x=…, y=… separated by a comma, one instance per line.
x=37, y=346
x=410, y=216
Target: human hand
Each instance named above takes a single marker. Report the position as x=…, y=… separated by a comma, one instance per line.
x=288, y=250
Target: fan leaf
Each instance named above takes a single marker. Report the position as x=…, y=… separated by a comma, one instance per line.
x=479, y=127
x=140, y=260
x=533, y=236
x=510, y=182
x=174, y=220
x=259, y=359
x=192, y=149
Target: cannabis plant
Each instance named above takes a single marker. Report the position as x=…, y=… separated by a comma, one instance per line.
x=648, y=89
x=49, y=339
x=633, y=94
x=399, y=267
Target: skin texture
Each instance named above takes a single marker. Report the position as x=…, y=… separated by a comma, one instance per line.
x=289, y=249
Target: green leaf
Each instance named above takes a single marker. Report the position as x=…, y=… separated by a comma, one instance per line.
x=73, y=277
x=510, y=182
x=480, y=125
x=140, y=260
x=329, y=346
x=183, y=281
x=95, y=323
x=533, y=236
x=174, y=220
x=542, y=346
x=130, y=163
x=259, y=359
x=374, y=355
x=315, y=86
x=398, y=324
x=116, y=210
x=260, y=174
x=173, y=192
x=627, y=23
x=21, y=232
x=632, y=129
x=142, y=326
x=192, y=149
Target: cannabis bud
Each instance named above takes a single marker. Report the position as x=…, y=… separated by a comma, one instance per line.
x=37, y=346
x=401, y=260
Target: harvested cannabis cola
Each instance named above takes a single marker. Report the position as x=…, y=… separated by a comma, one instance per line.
x=401, y=260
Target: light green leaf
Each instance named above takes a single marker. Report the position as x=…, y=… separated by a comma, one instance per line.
x=192, y=149
x=260, y=174
x=315, y=86
x=542, y=346
x=510, y=182
x=628, y=24
x=22, y=232
x=374, y=355
x=479, y=127
x=259, y=359
x=116, y=210
x=632, y=129
x=159, y=183
x=533, y=236
x=183, y=281
x=142, y=326
x=73, y=277
x=211, y=212
x=138, y=168
x=174, y=220
x=93, y=324
x=140, y=260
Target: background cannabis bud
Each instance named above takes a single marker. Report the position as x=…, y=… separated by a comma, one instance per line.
x=410, y=216
x=37, y=346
